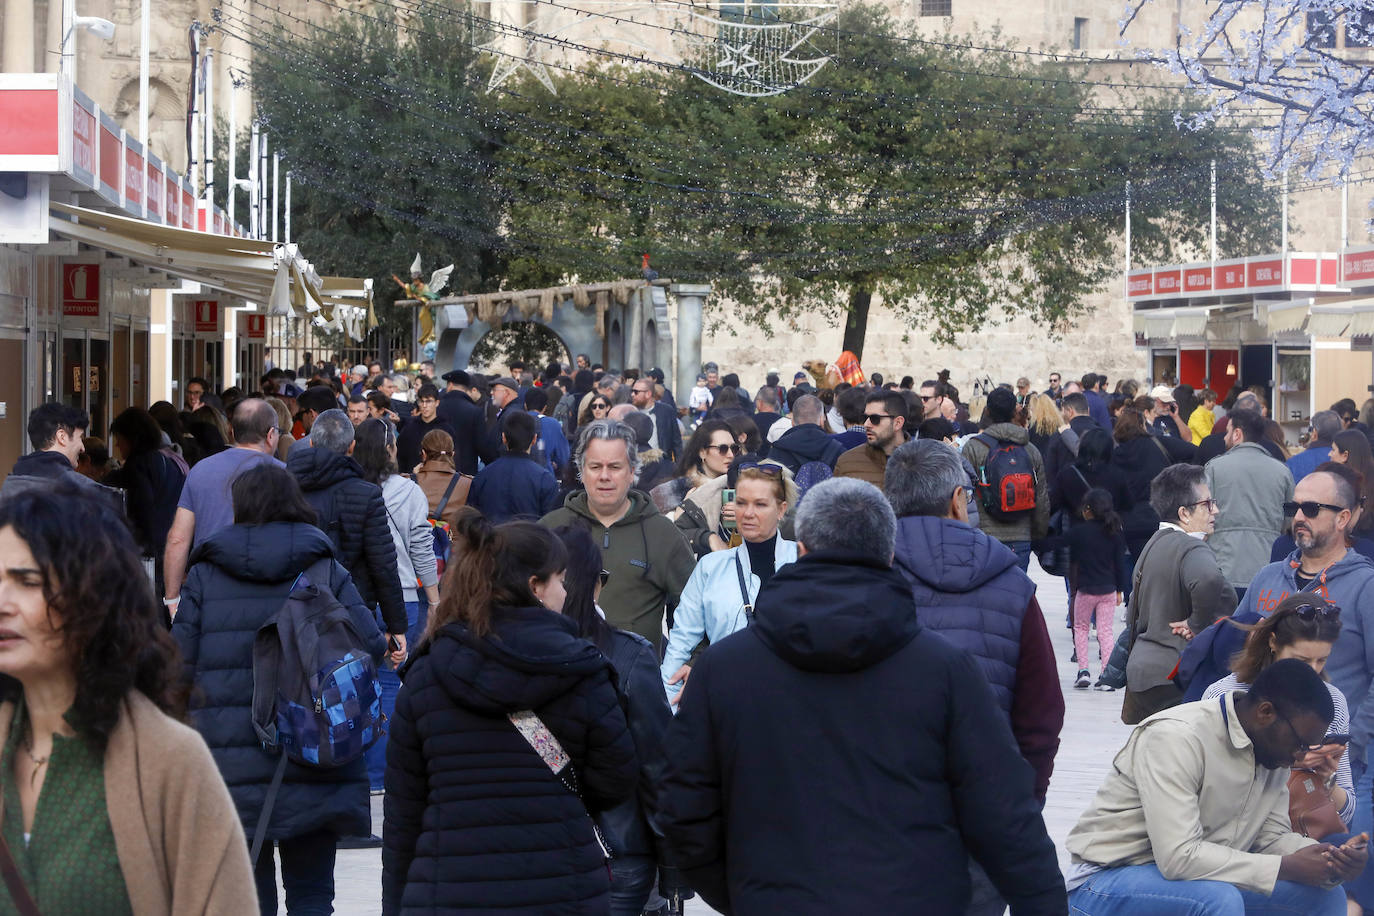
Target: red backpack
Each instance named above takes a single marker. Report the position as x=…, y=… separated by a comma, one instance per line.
x=1006, y=481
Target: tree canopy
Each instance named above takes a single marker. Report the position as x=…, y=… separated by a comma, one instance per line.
x=961, y=187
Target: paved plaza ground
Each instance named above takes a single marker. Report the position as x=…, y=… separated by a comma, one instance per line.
x=1093, y=733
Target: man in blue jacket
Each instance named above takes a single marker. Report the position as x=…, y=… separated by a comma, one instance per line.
x=1325, y=425
x=514, y=485
x=1323, y=512
x=832, y=784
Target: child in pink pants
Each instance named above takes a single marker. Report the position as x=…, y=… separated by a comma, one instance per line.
x=1097, y=548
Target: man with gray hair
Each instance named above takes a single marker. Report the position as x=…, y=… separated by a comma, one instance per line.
x=969, y=588
x=1325, y=425
x=352, y=512
x=831, y=652
x=647, y=557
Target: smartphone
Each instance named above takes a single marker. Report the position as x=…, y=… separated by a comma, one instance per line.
x=1336, y=739
x=727, y=496
x=392, y=644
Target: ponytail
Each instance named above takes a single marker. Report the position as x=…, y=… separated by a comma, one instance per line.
x=1099, y=502
x=494, y=564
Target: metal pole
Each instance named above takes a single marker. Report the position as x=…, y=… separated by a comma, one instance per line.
x=253, y=180
x=144, y=32
x=208, y=119
x=193, y=161
x=1214, y=211
x=1128, y=226
x=276, y=187
x=68, y=65
x=232, y=154
x=1283, y=241
x=286, y=210
x=262, y=187
x=1345, y=213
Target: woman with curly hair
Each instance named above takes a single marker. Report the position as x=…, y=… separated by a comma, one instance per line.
x=110, y=803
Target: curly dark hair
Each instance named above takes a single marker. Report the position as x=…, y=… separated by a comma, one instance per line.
x=102, y=602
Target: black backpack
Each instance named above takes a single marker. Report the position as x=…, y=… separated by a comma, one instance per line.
x=1006, y=481
x=316, y=698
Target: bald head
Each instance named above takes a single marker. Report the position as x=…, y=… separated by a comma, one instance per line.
x=808, y=409
x=253, y=419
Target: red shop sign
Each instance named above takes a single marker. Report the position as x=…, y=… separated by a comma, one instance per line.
x=81, y=290
x=207, y=315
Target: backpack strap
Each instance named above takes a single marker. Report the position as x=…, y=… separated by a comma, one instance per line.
x=265, y=817
x=448, y=492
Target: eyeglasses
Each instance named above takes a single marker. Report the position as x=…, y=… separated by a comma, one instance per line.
x=1296, y=737
x=730, y=449
x=601, y=407
x=876, y=418
x=605, y=577
x=1210, y=503
x=1310, y=508
x=927, y=397
x=1310, y=612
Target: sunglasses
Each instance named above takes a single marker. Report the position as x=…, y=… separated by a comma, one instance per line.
x=730, y=449
x=876, y=418
x=772, y=470
x=604, y=577
x=1309, y=508
x=1310, y=612
x=601, y=407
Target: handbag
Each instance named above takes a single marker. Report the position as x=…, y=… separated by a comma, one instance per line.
x=1311, y=811
x=546, y=745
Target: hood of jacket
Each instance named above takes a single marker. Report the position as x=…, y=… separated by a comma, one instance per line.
x=51, y=465
x=320, y=469
x=1280, y=577
x=1081, y=424
x=948, y=555
x=273, y=552
x=641, y=507
x=1009, y=432
x=808, y=441
x=836, y=611
x=531, y=656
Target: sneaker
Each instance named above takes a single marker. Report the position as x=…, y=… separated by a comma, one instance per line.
x=1073, y=658
x=1103, y=686
x=1084, y=679
x=359, y=842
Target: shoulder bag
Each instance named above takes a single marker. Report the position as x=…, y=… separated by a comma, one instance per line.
x=546, y=745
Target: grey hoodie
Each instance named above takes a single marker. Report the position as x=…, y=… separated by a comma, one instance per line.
x=1349, y=584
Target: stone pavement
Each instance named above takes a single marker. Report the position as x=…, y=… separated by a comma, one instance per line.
x=1093, y=733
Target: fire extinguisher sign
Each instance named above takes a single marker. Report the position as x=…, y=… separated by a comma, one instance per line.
x=207, y=315
x=81, y=290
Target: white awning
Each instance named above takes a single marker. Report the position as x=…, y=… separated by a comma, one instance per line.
x=1160, y=325
x=1285, y=316
x=258, y=271
x=1362, y=319
x=1190, y=322
x=1329, y=320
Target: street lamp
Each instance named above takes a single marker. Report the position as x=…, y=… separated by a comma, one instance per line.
x=103, y=29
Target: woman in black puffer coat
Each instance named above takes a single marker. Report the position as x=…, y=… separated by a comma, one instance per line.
x=475, y=820
x=239, y=578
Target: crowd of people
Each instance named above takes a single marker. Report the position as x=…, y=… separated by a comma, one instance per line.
x=605, y=651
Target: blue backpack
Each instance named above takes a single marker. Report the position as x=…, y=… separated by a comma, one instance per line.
x=810, y=474
x=316, y=698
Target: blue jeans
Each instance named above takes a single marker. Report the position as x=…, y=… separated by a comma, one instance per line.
x=1140, y=890
x=417, y=613
x=632, y=878
x=307, y=875
x=1022, y=549
x=1362, y=888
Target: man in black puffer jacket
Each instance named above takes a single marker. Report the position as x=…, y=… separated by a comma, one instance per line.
x=806, y=441
x=352, y=513
x=867, y=760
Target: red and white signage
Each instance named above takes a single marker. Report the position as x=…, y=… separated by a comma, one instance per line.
x=133, y=178
x=1357, y=266
x=155, y=187
x=81, y=290
x=83, y=139
x=255, y=326
x=207, y=315
x=1168, y=282
x=1294, y=271
x=1197, y=280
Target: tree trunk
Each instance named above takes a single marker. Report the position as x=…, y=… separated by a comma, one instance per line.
x=856, y=327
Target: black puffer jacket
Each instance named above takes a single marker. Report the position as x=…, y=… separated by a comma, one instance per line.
x=353, y=514
x=475, y=821
x=627, y=825
x=239, y=578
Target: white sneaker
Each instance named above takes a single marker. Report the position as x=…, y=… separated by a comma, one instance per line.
x=1084, y=679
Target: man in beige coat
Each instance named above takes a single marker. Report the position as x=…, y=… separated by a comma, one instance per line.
x=1192, y=819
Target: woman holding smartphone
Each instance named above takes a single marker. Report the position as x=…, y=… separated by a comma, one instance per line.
x=1304, y=626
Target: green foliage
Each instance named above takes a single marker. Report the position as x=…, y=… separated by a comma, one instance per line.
x=532, y=344
x=960, y=187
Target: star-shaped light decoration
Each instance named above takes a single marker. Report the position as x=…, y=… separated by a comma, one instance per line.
x=738, y=59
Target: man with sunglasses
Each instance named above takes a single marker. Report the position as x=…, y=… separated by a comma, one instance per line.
x=1055, y=390
x=1250, y=488
x=1324, y=509
x=1193, y=815
x=884, y=420
x=667, y=433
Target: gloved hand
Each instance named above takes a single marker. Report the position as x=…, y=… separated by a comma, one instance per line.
x=672, y=886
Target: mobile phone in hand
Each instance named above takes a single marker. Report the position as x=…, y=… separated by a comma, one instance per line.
x=391, y=643
x=1336, y=739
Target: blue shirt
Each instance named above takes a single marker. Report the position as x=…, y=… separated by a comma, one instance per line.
x=1306, y=461
x=553, y=444
x=207, y=492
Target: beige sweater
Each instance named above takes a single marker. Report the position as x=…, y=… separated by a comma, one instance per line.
x=178, y=837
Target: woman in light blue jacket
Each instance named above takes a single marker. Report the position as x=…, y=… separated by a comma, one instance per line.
x=719, y=597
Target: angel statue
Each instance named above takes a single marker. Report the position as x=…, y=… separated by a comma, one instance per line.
x=417, y=288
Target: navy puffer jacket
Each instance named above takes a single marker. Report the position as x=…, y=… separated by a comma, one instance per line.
x=239, y=579
x=352, y=512
x=474, y=819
